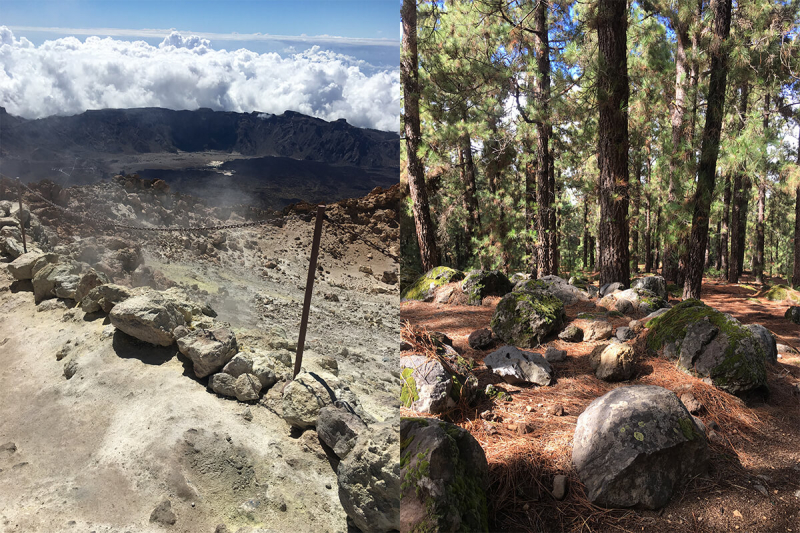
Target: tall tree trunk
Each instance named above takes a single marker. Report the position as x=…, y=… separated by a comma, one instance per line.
x=612, y=152
x=739, y=205
x=637, y=198
x=545, y=190
x=718, y=252
x=648, y=232
x=657, y=239
x=472, y=225
x=530, y=212
x=679, y=157
x=586, y=243
x=710, y=148
x=726, y=213
x=796, y=271
x=747, y=185
x=409, y=74
x=493, y=174
x=758, y=263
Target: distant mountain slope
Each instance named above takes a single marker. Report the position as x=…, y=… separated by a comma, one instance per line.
x=153, y=130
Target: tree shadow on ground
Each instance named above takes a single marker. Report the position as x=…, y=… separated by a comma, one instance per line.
x=128, y=347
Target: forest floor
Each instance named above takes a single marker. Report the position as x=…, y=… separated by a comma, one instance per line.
x=753, y=483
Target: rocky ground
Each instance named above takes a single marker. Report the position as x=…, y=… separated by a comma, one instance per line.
x=101, y=431
x=526, y=431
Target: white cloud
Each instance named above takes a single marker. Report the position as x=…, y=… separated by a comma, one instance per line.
x=66, y=76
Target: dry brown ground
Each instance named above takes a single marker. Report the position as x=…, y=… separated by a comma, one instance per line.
x=526, y=444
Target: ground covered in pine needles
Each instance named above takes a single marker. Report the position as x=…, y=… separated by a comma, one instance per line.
x=754, y=480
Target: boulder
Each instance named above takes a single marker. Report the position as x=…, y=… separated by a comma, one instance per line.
x=613, y=362
x=104, y=297
x=518, y=367
x=597, y=330
x=264, y=370
x=247, y=387
x=609, y=288
x=793, y=314
x=305, y=396
x=369, y=479
x=525, y=318
x=654, y=284
x=427, y=385
x=339, y=428
x=767, y=340
x=635, y=446
x=445, y=477
x=571, y=334
x=89, y=281
x=56, y=280
x=149, y=317
x=624, y=333
x=223, y=384
x=479, y=284
x=480, y=339
x=241, y=363
x=209, y=349
x=21, y=267
x=556, y=286
x=11, y=247
x=554, y=355
x=423, y=287
x=709, y=344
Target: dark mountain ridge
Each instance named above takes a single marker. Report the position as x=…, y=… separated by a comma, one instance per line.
x=152, y=130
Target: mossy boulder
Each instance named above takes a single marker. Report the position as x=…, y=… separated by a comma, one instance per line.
x=433, y=386
x=793, y=314
x=779, y=293
x=525, y=318
x=654, y=284
x=422, y=289
x=444, y=476
x=482, y=283
x=709, y=344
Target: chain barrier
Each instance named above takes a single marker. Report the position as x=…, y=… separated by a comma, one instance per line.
x=194, y=229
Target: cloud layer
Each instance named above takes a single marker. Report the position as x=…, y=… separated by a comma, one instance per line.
x=67, y=76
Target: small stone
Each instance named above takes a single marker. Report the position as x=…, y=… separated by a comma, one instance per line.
x=247, y=414
x=70, y=368
x=556, y=410
x=554, y=355
x=761, y=489
x=329, y=363
x=559, y=487
x=737, y=514
x=691, y=403
x=481, y=339
x=571, y=334
x=163, y=514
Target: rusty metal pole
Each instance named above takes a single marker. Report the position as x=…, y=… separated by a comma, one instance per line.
x=312, y=270
x=21, y=218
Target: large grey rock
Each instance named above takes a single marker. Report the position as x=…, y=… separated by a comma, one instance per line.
x=654, y=284
x=793, y=314
x=482, y=283
x=427, y=386
x=56, y=280
x=635, y=446
x=369, y=479
x=11, y=247
x=21, y=267
x=445, y=477
x=558, y=287
x=524, y=318
x=104, y=298
x=709, y=344
x=767, y=339
x=625, y=333
x=305, y=396
x=609, y=288
x=518, y=367
x=339, y=428
x=613, y=362
x=149, y=317
x=597, y=330
x=554, y=355
x=209, y=349
x=241, y=363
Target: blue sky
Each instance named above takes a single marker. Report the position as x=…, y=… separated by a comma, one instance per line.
x=330, y=59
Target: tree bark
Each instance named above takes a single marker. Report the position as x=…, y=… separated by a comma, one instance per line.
x=710, y=148
x=739, y=206
x=545, y=189
x=586, y=243
x=612, y=153
x=679, y=157
x=758, y=263
x=796, y=271
x=637, y=198
x=530, y=211
x=747, y=185
x=472, y=225
x=409, y=74
x=726, y=213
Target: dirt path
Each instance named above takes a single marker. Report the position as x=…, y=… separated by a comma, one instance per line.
x=754, y=481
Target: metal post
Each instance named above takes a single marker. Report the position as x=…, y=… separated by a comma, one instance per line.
x=21, y=218
x=312, y=269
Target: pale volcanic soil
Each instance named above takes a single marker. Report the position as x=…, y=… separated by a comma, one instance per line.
x=133, y=426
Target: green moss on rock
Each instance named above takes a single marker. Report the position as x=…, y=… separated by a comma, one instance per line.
x=524, y=318
x=780, y=293
x=408, y=394
x=424, y=285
